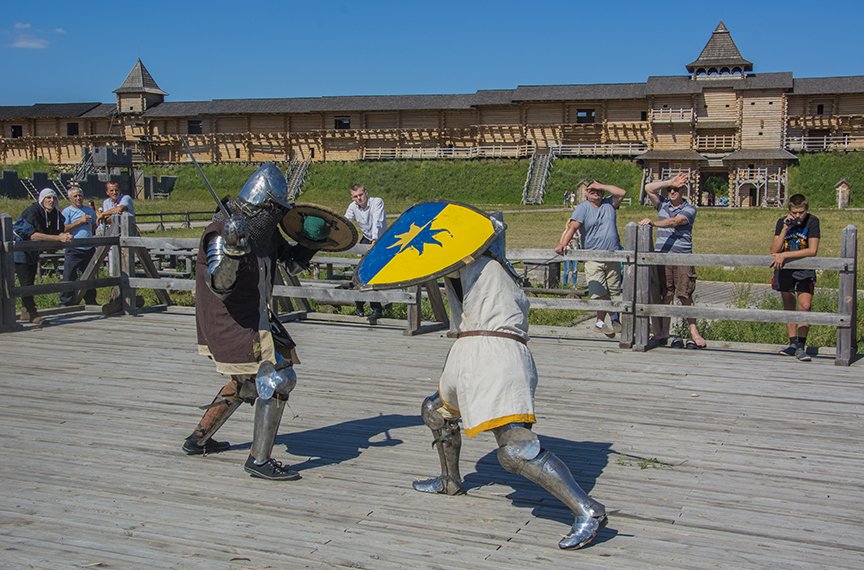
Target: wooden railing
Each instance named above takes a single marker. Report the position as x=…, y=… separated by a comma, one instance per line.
x=715, y=142
x=812, y=144
x=289, y=291
x=604, y=149
x=684, y=115
x=184, y=218
x=638, y=304
x=640, y=298
x=422, y=153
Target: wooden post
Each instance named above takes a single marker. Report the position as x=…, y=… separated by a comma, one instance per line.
x=127, y=264
x=415, y=315
x=628, y=287
x=92, y=269
x=553, y=274
x=7, y=276
x=150, y=269
x=642, y=326
x=437, y=303
x=847, y=303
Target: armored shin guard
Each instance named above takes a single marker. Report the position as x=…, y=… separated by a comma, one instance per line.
x=268, y=416
x=520, y=452
x=448, y=442
x=224, y=404
x=273, y=388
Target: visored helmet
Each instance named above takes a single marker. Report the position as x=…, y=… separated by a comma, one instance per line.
x=266, y=184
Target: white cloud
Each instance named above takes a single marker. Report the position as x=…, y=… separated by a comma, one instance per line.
x=20, y=26
x=59, y=31
x=29, y=42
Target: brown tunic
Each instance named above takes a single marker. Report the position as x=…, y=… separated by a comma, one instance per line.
x=235, y=331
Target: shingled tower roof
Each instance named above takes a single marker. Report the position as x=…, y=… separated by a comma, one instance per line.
x=720, y=52
x=139, y=80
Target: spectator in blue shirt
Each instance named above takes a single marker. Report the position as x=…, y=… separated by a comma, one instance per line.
x=80, y=221
x=115, y=203
x=596, y=219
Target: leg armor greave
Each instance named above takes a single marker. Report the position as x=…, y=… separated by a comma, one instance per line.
x=273, y=386
x=448, y=442
x=224, y=404
x=519, y=452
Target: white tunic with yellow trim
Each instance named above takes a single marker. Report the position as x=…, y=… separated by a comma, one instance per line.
x=488, y=381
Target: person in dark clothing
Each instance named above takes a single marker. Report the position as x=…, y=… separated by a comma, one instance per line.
x=795, y=236
x=39, y=221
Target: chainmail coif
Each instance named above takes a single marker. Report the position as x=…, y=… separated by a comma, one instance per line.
x=263, y=222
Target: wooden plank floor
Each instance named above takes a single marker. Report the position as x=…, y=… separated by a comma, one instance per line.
x=706, y=459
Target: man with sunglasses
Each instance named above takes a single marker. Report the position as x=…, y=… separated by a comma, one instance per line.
x=675, y=217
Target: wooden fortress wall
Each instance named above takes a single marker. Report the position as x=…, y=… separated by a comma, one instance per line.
x=715, y=120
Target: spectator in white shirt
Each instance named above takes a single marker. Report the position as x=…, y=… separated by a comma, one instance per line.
x=368, y=212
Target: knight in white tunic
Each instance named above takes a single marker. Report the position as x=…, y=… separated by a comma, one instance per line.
x=488, y=383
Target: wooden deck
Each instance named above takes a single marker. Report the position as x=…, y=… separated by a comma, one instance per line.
x=705, y=459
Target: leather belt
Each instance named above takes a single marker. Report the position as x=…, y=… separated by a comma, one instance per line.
x=499, y=334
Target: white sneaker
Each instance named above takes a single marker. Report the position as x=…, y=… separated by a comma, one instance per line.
x=601, y=328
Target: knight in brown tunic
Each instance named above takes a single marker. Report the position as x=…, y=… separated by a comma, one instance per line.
x=234, y=276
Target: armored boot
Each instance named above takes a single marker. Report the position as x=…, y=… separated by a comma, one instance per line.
x=273, y=387
x=552, y=474
x=520, y=452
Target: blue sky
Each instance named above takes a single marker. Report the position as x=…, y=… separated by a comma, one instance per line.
x=64, y=51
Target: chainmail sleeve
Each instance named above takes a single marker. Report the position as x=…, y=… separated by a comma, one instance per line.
x=221, y=269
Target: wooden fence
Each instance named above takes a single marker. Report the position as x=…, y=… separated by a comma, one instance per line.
x=638, y=304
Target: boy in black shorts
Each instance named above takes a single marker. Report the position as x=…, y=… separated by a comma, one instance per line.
x=795, y=236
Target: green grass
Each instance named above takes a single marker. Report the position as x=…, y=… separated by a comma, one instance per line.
x=493, y=183
x=28, y=167
x=568, y=172
x=816, y=174
x=226, y=179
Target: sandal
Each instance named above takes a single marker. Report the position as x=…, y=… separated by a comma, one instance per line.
x=677, y=343
x=693, y=346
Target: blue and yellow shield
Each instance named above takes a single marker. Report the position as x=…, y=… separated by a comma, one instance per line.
x=427, y=241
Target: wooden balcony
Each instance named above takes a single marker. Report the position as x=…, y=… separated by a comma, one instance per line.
x=814, y=121
x=717, y=143
x=684, y=115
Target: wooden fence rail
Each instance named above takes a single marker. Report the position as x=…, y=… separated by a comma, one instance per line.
x=639, y=301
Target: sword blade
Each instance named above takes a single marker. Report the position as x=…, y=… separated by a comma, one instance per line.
x=204, y=178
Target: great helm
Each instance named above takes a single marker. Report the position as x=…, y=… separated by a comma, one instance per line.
x=266, y=184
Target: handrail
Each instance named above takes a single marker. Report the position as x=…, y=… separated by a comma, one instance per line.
x=482, y=151
x=837, y=142
x=598, y=149
x=636, y=306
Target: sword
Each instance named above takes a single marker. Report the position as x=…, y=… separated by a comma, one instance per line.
x=206, y=182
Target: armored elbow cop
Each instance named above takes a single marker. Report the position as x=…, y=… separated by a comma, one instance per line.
x=221, y=268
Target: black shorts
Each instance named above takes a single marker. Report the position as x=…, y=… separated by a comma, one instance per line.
x=785, y=282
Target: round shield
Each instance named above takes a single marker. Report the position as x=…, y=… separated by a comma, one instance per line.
x=428, y=241
x=341, y=234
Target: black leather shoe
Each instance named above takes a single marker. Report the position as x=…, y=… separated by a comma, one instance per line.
x=191, y=447
x=271, y=469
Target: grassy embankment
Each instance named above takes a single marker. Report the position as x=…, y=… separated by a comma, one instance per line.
x=497, y=184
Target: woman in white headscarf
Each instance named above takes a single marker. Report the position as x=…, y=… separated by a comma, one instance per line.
x=39, y=221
